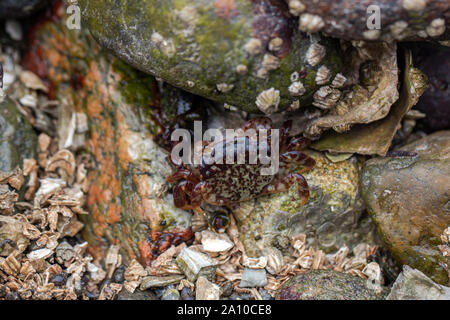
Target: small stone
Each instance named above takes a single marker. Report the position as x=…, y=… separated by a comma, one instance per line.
x=59, y=279
x=216, y=242
x=227, y=289
x=156, y=281
x=187, y=294
x=206, y=290
x=136, y=295
x=14, y=30
x=195, y=264
x=171, y=294
x=252, y=278
x=118, y=275
x=412, y=284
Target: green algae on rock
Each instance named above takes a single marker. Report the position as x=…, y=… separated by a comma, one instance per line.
x=128, y=197
x=332, y=217
x=327, y=285
x=18, y=141
x=249, y=54
x=407, y=198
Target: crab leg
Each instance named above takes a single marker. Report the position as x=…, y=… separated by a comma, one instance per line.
x=179, y=194
x=296, y=158
x=286, y=183
x=183, y=173
x=197, y=197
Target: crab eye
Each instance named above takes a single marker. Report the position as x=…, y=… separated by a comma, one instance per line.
x=219, y=221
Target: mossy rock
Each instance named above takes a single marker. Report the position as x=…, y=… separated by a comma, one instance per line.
x=327, y=285
x=227, y=51
x=18, y=140
x=408, y=199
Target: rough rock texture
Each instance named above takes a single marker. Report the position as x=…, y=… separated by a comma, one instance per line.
x=226, y=50
x=412, y=284
x=18, y=140
x=408, y=199
x=127, y=200
x=332, y=217
x=327, y=285
x=404, y=20
x=376, y=137
x=20, y=8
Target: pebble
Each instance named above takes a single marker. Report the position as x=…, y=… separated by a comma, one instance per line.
x=216, y=242
x=195, y=264
x=155, y=281
x=252, y=278
x=171, y=294
x=59, y=279
x=206, y=290
x=119, y=274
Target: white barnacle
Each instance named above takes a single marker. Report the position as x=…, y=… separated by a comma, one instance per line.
x=296, y=89
x=294, y=76
x=398, y=29
x=326, y=97
x=296, y=7
x=253, y=46
x=310, y=23
x=190, y=84
x=315, y=54
x=224, y=87
x=295, y=105
x=323, y=75
x=436, y=27
x=414, y=5
x=166, y=46
x=338, y=81
x=275, y=44
x=371, y=34
x=242, y=69
x=267, y=101
x=270, y=62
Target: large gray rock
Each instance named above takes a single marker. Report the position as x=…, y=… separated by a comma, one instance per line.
x=18, y=140
x=228, y=51
x=332, y=217
x=408, y=199
x=327, y=285
x=412, y=284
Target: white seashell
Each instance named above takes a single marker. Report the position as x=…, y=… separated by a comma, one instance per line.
x=216, y=242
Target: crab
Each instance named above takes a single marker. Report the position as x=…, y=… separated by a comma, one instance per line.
x=223, y=184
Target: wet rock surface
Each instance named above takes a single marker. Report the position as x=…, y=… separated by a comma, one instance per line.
x=18, y=141
x=408, y=198
x=414, y=285
x=327, y=285
x=248, y=54
x=128, y=195
x=332, y=217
